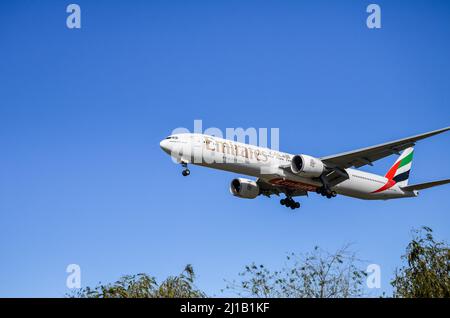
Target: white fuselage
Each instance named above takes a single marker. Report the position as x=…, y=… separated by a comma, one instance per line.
x=271, y=166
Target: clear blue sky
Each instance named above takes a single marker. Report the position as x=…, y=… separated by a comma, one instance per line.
x=82, y=177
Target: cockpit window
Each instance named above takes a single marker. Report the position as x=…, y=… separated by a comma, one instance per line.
x=172, y=137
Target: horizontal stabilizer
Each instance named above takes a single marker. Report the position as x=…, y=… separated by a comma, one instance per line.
x=426, y=185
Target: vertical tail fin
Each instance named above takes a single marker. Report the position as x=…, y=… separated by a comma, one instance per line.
x=399, y=172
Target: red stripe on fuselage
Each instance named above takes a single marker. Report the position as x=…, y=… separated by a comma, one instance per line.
x=388, y=185
x=389, y=175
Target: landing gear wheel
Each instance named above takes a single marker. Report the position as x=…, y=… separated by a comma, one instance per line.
x=321, y=191
x=326, y=192
x=186, y=171
x=290, y=203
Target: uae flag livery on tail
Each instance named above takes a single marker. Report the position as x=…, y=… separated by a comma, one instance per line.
x=399, y=172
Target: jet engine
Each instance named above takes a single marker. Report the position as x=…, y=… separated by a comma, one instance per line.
x=307, y=166
x=244, y=188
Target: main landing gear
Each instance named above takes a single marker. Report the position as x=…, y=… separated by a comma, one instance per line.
x=186, y=171
x=290, y=203
x=326, y=192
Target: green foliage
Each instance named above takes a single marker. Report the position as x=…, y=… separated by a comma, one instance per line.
x=426, y=272
x=318, y=274
x=145, y=286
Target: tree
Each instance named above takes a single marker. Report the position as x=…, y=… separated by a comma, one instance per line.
x=318, y=274
x=145, y=286
x=426, y=272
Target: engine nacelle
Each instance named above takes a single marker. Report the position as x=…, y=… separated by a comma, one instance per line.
x=307, y=166
x=244, y=188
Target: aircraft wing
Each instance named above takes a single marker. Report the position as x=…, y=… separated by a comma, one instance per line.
x=365, y=156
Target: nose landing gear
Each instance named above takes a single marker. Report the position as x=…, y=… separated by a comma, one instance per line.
x=290, y=203
x=186, y=171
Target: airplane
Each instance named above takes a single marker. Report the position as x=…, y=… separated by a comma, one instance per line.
x=297, y=175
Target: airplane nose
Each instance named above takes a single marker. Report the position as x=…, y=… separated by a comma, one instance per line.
x=164, y=144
